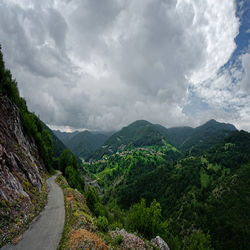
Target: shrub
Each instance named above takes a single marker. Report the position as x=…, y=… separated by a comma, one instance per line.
x=115, y=225
x=199, y=241
x=102, y=223
x=118, y=239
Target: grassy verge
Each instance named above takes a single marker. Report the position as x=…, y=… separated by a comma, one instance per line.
x=80, y=226
x=16, y=216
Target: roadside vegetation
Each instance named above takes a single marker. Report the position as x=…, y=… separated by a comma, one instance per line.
x=83, y=229
x=15, y=216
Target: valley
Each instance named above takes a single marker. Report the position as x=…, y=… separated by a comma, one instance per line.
x=82, y=144
x=125, y=125
x=190, y=172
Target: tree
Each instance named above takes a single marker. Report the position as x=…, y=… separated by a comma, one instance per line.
x=198, y=241
x=74, y=179
x=65, y=160
x=147, y=220
x=91, y=198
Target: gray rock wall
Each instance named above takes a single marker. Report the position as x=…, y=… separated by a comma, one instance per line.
x=21, y=183
x=19, y=158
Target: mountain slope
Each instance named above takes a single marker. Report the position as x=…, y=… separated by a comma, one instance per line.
x=206, y=135
x=177, y=135
x=65, y=136
x=82, y=144
x=186, y=139
x=22, y=186
x=139, y=133
x=208, y=192
x=58, y=146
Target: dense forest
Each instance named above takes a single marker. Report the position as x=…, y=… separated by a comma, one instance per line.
x=143, y=133
x=202, y=197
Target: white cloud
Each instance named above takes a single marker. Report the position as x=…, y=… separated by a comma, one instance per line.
x=218, y=25
x=246, y=77
x=100, y=65
x=228, y=93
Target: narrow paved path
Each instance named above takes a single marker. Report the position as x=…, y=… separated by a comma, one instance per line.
x=45, y=231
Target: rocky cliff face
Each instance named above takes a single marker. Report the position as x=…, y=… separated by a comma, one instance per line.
x=22, y=190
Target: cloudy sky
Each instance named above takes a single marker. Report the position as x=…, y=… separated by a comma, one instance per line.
x=101, y=64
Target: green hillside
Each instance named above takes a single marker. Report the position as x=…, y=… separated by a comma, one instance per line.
x=82, y=144
x=206, y=192
x=186, y=139
x=58, y=146
x=177, y=135
x=140, y=133
x=206, y=136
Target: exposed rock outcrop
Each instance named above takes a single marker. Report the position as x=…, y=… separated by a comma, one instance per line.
x=160, y=243
x=21, y=184
x=129, y=241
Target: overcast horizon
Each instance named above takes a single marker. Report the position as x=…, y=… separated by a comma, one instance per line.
x=69, y=130
x=100, y=65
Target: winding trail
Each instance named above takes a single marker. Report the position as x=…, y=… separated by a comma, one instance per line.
x=45, y=231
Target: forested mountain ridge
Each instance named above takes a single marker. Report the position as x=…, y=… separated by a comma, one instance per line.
x=82, y=144
x=180, y=136
x=139, y=133
x=186, y=139
x=204, y=192
x=57, y=144
x=206, y=135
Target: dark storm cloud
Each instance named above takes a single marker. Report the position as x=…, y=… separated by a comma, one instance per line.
x=57, y=28
x=90, y=20
x=34, y=39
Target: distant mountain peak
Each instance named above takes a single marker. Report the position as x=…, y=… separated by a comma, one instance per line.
x=220, y=125
x=139, y=123
x=212, y=121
